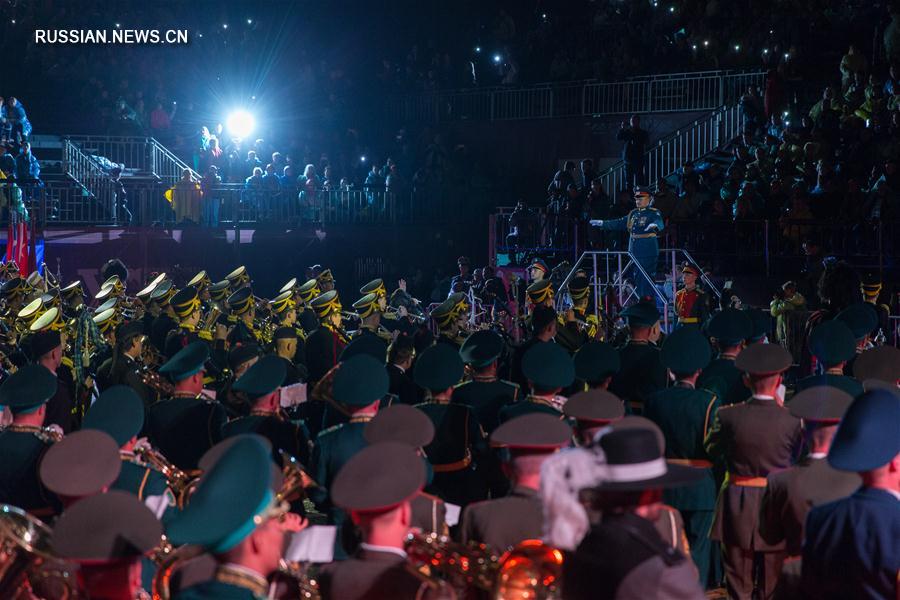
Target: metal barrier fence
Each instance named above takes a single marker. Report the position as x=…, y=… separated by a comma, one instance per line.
x=94, y=181
x=668, y=154
x=165, y=165
x=680, y=92
x=131, y=151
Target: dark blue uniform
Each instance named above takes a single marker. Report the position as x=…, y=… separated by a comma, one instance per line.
x=642, y=241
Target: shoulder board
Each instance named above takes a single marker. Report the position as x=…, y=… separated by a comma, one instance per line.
x=509, y=383
x=462, y=383
x=653, y=209
x=680, y=292
x=68, y=362
x=330, y=430
x=203, y=334
x=729, y=406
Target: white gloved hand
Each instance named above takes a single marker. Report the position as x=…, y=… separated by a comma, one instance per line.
x=597, y=222
x=653, y=226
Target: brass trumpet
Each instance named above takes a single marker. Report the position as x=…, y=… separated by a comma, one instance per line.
x=178, y=481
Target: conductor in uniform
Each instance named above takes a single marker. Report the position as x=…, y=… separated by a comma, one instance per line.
x=643, y=224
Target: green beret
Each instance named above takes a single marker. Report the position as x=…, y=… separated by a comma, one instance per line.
x=230, y=501
x=106, y=528
x=832, y=343
x=28, y=388
x=595, y=361
x=642, y=314
x=730, y=326
x=360, y=381
x=263, y=378
x=547, y=366
x=187, y=361
x=481, y=348
x=82, y=464
x=438, y=368
x=533, y=431
x=400, y=423
x=119, y=412
x=379, y=477
x=861, y=318
x=685, y=351
x=370, y=345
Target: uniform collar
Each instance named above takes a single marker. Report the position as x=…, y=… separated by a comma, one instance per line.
x=685, y=384
x=240, y=576
x=763, y=397
x=385, y=549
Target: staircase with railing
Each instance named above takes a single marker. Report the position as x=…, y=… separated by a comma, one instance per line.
x=96, y=200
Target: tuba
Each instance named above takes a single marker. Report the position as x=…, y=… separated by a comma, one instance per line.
x=463, y=566
x=26, y=561
x=168, y=561
x=178, y=481
x=296, y=480
x=530, y=570
x=294, y=580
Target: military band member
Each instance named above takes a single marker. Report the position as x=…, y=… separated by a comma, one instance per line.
x=46, y=345
x=880, y=365
x=186, y=424
x=106, y=323
x=458, y=452
x=591, y=411
x=238, y=279
x=833, y=345
x=728, y=330
x=240, y=358
x=504, y=522
x=284, y=312
x=219, y=292
x=685, y=414
x=119, y=413
x=72, y=296
x=871, y=289
x=358, y=387
x=548, y=369
x=82, y=464
x=451, y=316
x=201, y=282
x=692, y=304
x=13, y=292
x=623, y=555
x=540, y=293
x=306, y=293
x=285, y=343
x=484, y=393
x=325, y=344
x=596, y=363
x=641, y=373
x=242, y=312
x=124, y=367
x=260, y=384
x=326, y=281
x=186, y=306
x=244, y=534
x=577, y=327
x=761, y=324
x=409, y=425
x=108, y=535
x=543, y=324
x=850, y=549
x=538, y=270
x=370, y=309
x=753, y=438
x=375, y=487
x=862, y=319
x=401, y=354
x=166, y=320
x=790, y=494
x=23, y=443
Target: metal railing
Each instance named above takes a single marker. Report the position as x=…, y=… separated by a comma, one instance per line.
x=131, y=151
x=94, y=181
x=679, y=92
x=667, y=155
x=165, y=165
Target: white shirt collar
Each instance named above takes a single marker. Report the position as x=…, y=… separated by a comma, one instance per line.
x=399, y=368
x=818, y=454
x=763, y=397
x=893, y=493
x=389, y=549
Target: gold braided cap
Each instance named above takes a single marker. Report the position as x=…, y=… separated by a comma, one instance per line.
x=309, y=290
x=326, y=304
x=200, y=281
x=50, y=320
x=366, y=305
x=283, y=302
x=540, y=291
x=238, y=276
x=376, y=286
x=289, y=286
x=325, y=275
x=106, y=319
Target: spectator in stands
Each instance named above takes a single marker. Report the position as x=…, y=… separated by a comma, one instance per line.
x=270, y=181
x=597, y=203
x=636, y=140
x=562, y=179
x=892, y=85
x=123, y=215
x=309, y=183
x=329, y=183
x=395, y=184
x=689, y=201
x=822, y=109
x=289, y=181
x=27, y=166
x=254, y=182
x=752, y=109
x=732, y=186
x=853, y=63
x=7, y=162
x=278, y=161
x=14, y=114
x=587, y=174
x=251, y=163
x=748, y=203
x=374, y=184
x=664, y=199
x=211, y=200
x=161, y=119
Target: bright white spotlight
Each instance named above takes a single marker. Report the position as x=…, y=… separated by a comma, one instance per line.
x=497, y=58
x=240, y=123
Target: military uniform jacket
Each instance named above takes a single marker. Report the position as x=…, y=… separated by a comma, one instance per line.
x=842, y=382
x=184, y=428
x=285, y=435
x=374, y=575
x=624, y=558
x=486, y=397
x=159, y=331
x=321, y=352
x=504, y=522
x=851, y=548
x=60, y=408
x=124, y=370
x=21, y=450
x=723, y=379
x=685, y=416
x=429, y=513
x=753, y=439
x=642, y=237
x=527, y=405
x=216, y=590
x=692, y=306
x=178, y=338
x=792, y=493
x=641, y=374
x=402, y=385
x=334, y=447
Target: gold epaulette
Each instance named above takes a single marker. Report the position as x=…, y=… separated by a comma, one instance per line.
x=203, y=334
x=68, y=362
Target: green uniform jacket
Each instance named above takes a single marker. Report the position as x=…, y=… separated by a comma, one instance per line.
x=184, y=428
x=288, y=436
x=685, y=415
x=842, y=382
x=641, y=374
x=723, y=379
x=486, y=397
x=216, y=590
x=20, y=484
x=529, y=404
x=504, y=522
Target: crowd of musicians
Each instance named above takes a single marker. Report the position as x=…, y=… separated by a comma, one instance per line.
x=170, y=439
